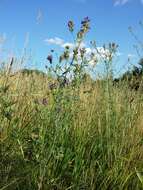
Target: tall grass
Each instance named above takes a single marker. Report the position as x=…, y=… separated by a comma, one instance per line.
x=82, y=135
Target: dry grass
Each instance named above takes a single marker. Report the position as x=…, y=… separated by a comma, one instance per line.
x=81, y=138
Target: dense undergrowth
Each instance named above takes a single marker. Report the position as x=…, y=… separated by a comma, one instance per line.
x=79, y=134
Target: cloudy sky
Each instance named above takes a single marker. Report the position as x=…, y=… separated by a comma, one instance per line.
x=40, y=25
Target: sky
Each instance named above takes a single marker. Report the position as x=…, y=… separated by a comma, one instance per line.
x=41, y=25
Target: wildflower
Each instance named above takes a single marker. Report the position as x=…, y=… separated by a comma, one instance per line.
x=11, y=63
x=112, y=47
x=44, y=101
x=61, y=58
x=50, y=59
x=104, y=47
x=80, y=34
x=71, y=26
x=85, y=24
x=82, y=52
x=85, y=21
x=67, y=47
x=92, y=55
x=64, y=82
x=66, y=55
x=93, y=43
x=52, y=86
x=75, y=51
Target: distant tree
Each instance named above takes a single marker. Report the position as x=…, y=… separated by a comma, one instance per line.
x=133, y=78
x=141, y=63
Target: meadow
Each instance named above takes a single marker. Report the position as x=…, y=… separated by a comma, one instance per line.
x=61, y=134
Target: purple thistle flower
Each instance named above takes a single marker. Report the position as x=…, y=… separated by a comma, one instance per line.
x=50, y=58
x=87, y=19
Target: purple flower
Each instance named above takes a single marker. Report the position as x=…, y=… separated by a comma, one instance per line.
x=85, y=21
x=44, y=101
x=50, y=58
x=52, y=86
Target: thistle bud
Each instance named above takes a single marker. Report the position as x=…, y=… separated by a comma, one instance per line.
x=71, y=26
x=50, y=59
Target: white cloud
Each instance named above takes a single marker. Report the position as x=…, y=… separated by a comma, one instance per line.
x=120, y=2
x=123, y=2
x=55, y=41
x=70, y=45
x=60, y=42
x=100, y=53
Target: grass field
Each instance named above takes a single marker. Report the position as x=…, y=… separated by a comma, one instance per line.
x=90, y=137
x=59, y=133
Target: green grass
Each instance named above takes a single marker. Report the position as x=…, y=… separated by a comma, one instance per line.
x=83, y=138
x=82, y=135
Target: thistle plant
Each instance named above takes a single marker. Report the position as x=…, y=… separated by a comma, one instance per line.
x=66, y=137
x=72, y=62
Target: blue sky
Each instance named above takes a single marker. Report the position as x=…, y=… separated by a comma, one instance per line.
x=41, y=20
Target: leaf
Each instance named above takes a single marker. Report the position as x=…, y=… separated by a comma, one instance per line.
x=140, y=176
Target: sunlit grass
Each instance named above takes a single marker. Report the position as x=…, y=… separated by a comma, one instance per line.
x=77, y=134
x=90, y=141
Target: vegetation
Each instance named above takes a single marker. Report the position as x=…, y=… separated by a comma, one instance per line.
x=133, y=78
x=65, y=131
